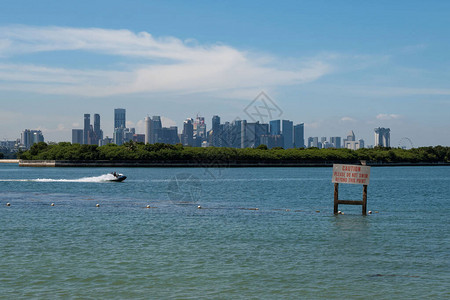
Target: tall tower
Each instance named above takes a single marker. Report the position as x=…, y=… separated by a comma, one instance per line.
x=98, y=133
x=215, y=131
x=87, y=128
x=156, y=130
x=148, y=129
x=299, y=135
x=119, y=118
x=382, y=137
x=188, y=132
x=288, y=133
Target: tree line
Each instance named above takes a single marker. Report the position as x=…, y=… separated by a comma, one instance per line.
x=167, y=153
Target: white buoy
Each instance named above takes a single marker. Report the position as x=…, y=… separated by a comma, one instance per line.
x=339, y=212
x=8, y=204
x=98, y=205
x=148, y=206
x=370, y=212
x=199, y=207
x=53, y=204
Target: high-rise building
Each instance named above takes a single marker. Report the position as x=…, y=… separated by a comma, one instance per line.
x=382, y=137
x=200, y=128
x=299, y=135
x=288, y=134
x=30, y=137
x=98, y=133
x=86, y=129
x=155, y=130
x=187, y=137
x=148, y=129
x=216, y=134
x=119, y=118
x=118, y=135
x=335, y=141
x=251, y=134
x=77, y=136
x=275, y=127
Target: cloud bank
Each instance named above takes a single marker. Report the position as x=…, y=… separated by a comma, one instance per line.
x=165, y=64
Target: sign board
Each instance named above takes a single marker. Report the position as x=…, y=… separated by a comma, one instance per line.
x=353, y=174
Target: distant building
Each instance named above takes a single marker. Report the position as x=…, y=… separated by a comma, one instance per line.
x=118, y=136
x=98, y=133
x=168, y=135
x=288, y=133
x=351, y=143
x=200, y=129
x=77, y=136
x=119, y=118
x=139, y=138
x=382, y=137
x=87, y=128
x=215, y=132
x=251, y=134
x=272, y=141
x=187, y=137
x=105, y=141
x=314, y=142
x=275, y=127
x=148, y=129
x=30, y=137
x=155, y=129
x=299, y=136
x=335, y=141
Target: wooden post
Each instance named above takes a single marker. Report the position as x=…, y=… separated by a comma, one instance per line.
x=364, y=205
x=336, y=197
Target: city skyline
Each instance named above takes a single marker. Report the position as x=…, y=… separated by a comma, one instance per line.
x=333, y=66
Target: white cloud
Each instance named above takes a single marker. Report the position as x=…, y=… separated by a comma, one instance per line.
x=387, y=116
x=167, y=64
x=347, y=119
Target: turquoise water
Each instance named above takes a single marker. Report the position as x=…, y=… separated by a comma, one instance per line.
x=261, y=233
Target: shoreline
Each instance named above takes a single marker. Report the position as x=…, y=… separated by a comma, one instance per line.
x=9, y=161
x=208, y=164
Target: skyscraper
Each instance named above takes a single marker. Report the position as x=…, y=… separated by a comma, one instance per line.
x=335, y=141
x=187, y=137
x=382, y=137
x=87, y=128
x=288, y=134
x=275, y=127
x=299, y=135
x=119, y=118
x=216, y=131
x=30, y=137
x=77, y=136
x=155, y=130
x=148, y=129
x=98, y=133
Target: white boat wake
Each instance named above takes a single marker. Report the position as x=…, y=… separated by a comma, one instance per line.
x=101, y=178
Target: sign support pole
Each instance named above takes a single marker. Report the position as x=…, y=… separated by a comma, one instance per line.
x=336, y=197
x=364, y=205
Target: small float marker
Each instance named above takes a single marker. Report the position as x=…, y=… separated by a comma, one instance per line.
x=339, y=212
x=370, y=212
x=199, y=207
x=148, y=206
x=8, y=204
x=53, y=204
x=97, y=205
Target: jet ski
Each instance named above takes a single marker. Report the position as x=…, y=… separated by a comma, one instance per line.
x=117, y=177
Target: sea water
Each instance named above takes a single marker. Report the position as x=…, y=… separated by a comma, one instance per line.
x=249, y=233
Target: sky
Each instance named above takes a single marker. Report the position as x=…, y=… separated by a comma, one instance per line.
x=335, y=66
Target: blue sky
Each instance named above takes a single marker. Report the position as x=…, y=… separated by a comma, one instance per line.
x=334, y=65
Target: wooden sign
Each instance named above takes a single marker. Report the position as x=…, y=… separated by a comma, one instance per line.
x=352, y=174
